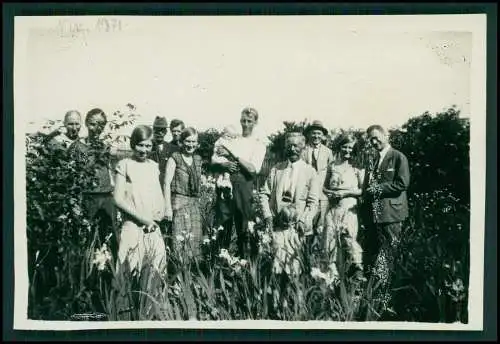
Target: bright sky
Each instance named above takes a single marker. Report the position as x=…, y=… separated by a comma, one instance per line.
x=204, y=70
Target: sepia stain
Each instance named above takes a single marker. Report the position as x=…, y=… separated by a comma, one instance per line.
x=451, y=48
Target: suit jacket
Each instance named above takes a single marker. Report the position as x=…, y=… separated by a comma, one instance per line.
x=325, y=158
x=305, y=195
x=393, y=178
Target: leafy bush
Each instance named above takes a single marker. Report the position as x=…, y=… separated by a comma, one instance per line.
x=61, y=239
x=437, y=148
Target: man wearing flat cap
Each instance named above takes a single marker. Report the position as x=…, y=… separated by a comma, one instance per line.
x=319, y=157
x=161, y=150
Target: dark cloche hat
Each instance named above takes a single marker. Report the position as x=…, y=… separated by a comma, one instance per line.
x=160, y=122
x=316, y=125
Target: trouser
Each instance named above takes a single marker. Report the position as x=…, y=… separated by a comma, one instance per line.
x=242, y=235
x=100, y=208
x=238, y=212
x=381, y=249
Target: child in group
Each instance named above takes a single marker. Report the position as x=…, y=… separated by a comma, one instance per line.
x=286, y=242
x=228, y=138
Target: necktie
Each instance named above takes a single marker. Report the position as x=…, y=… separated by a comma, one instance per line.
x=289, y=181
x=314, y=161
x=379, y=161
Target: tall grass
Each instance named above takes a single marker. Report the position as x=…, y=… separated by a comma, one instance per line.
x=71, y=274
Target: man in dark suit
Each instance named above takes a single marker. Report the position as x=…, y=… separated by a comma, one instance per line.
x=385, y=189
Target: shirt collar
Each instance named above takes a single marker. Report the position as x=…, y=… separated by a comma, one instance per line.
x=290, y=164
x=384, y=151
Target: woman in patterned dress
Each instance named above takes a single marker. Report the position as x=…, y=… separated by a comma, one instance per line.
x=182, y=192
x=343, y=187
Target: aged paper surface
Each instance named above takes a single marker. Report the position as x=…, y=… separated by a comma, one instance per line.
x=347, y=71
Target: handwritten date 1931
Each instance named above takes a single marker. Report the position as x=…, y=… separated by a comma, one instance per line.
x=108, y=25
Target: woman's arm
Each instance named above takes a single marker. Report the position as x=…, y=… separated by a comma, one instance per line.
x=121, y=202
x=326, y=190
x=354, y=192
x=169, y=176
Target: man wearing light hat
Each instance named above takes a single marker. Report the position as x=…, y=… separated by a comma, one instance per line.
x=319, y=157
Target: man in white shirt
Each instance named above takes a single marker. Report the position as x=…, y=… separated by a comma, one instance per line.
x=244, y=165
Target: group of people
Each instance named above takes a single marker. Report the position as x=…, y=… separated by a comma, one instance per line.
x=314, y=196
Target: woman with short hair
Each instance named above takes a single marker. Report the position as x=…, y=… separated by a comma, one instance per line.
x=342, y=186
x=182, y=191
x=138, y=195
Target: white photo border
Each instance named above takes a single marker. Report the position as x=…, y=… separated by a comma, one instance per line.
x=475, y=23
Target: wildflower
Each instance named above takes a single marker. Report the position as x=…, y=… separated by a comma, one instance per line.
x=266, y=239
x=251, y=227
x=101, y=257
x=214, y=237
x=224, y=254
x=77, y=211
x=243, y=262
x=62, y=217
x=176, y=289
x=179, y=238
x=457, y=285
x=220, y=229
x=317, y=274
x=206, y=241
x=108, y=237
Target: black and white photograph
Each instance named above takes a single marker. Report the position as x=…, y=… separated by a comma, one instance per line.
x=249, y=172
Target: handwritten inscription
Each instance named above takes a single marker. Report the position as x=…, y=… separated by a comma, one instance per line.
x=74, y=28
x=109, y=25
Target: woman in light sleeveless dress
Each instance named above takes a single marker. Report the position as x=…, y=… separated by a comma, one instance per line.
x=343, y=187
x=139, y=197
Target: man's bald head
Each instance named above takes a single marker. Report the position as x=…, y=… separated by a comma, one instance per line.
x=72, y=123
